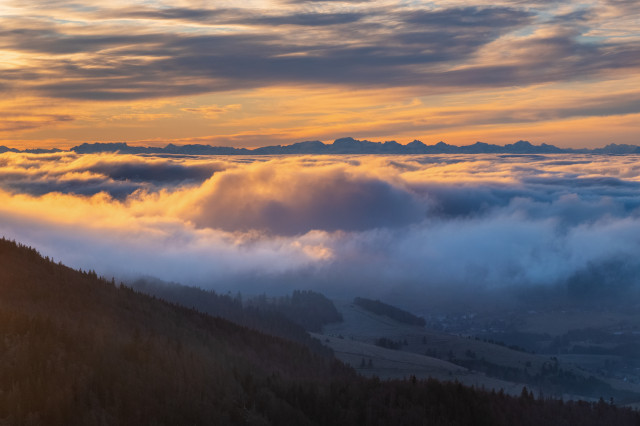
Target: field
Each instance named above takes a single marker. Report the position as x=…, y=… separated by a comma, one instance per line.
x=424, y=352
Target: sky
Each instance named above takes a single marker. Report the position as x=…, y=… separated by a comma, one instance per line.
x=264, y=72
x=420, y=230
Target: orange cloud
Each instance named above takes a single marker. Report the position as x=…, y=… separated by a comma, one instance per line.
x=353, y=222
x=458, y=71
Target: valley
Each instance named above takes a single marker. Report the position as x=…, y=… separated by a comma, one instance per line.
x=78, y=349
x=496, y=360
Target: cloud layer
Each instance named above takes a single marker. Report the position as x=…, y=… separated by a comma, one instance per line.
x=383, y=43
x=223, y=71
x=431, y=228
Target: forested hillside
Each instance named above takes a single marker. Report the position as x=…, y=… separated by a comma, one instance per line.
x=307, y=308
x=76, y=349
x=269, y=317
x=380, y=308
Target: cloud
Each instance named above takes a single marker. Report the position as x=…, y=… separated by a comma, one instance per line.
x=175, y=13
x=118, y=176
x=213, y=111
x=425, y=230
x=241, y=16
x=328, y=1
x=283, y=199
x=481, y=18
x=245, y=48
x=442, y=69
x=14, y=121
x=160, y=172
x=308, y=19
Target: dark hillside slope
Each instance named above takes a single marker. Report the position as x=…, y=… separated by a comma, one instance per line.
x=264, y=318
x=78, y=350
x=380, y=308
x=75, y=349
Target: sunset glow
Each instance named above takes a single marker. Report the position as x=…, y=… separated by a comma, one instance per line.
x=320, y=212
x=423, y=224
x=270, y=72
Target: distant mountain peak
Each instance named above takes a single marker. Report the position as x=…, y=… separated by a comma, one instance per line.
x=346, y=145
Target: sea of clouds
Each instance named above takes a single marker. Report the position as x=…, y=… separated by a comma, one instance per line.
x=425, y=229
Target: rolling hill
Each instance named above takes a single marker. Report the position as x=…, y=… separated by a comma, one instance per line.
x=76, y=349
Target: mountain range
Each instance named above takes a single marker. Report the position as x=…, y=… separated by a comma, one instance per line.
x=346, y=145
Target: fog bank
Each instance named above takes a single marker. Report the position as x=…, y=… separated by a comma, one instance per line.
x=444, y=227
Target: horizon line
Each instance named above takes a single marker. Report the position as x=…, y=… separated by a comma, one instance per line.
x=347, y=143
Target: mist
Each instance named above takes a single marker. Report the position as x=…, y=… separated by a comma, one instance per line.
x=445, y=230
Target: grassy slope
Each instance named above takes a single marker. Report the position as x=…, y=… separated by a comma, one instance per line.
x=361, y=328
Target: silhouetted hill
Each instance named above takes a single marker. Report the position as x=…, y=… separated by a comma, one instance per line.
x=267, y=317
x=618, y=149
x=4, y=149
x=346, y=145
x=379, y=308
x=76, y=349
x=307, y=308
